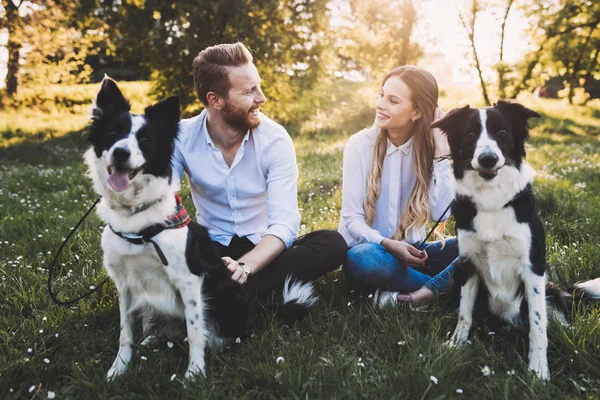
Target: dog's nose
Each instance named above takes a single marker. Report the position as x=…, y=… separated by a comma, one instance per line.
x=487, y=160
x=121, y=155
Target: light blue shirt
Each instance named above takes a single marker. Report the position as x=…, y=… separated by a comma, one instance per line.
x=254, y=197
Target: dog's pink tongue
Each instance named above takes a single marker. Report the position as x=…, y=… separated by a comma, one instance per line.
x=118, y=181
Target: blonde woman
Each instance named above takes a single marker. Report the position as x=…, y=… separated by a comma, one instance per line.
x=395, y=180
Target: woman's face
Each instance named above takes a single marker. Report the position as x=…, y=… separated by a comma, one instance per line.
x=394, y=106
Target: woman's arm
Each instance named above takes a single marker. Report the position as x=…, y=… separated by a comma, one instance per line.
x=354, y=183
x=441, y=190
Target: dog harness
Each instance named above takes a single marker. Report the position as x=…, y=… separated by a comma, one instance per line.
x=180, y=219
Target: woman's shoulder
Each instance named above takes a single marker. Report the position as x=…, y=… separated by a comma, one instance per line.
x=364, y=138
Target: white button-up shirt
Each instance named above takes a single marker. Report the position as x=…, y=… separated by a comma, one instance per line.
x=256, y=196
x=397, y=180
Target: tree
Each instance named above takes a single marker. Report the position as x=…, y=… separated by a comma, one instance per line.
x=374, y=41
x=468, y=22
x=501, y=67
x=43, y=44
x=286, y=37
x=567, y=34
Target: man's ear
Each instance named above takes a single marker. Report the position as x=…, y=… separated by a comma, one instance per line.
x=454, y=120
x=165, y=114
x=214, y=100
x=109, y=100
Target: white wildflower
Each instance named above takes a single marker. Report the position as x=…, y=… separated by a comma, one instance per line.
x=238, y=340
x=170, y=345
x=279, y=360
x=144, y=358
x=173, y=377
x=46, y=361
x=459, y=391
x=486, y=371
x=434, y=379
x=51, y=395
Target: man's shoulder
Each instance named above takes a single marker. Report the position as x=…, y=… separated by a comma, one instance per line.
x=189, y=126
x=270, y=131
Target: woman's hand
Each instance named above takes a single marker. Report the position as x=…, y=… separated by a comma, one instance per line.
x=439, y=138
x=404, y=252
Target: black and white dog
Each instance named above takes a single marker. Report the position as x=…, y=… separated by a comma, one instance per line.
x=501, y=239
x=165, y=268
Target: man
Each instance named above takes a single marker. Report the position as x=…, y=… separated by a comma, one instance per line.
x=242, y=170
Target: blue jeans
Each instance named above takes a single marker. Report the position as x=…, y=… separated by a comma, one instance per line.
x=369, y=266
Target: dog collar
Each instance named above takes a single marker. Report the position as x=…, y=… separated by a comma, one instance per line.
x=178, y=220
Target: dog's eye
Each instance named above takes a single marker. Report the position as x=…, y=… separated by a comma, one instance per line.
x=503, y=132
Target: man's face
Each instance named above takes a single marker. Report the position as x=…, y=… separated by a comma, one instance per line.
x=244, y=99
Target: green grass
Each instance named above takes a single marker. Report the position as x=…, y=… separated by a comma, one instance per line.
x=344, y=348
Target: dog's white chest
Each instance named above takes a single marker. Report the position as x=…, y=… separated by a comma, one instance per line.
x=499, y=247
x=139, y=268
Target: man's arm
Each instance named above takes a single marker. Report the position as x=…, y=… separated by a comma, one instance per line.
x=262, y=254
x=282, y=205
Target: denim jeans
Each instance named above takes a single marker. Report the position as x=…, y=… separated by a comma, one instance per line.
x=369, y=266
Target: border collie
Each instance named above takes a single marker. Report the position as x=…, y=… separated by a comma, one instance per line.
x=165, y=268
x=501, y=239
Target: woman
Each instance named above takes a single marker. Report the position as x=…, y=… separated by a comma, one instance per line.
x=395, y=179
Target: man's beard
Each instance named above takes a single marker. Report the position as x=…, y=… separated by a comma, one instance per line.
x=239, y=118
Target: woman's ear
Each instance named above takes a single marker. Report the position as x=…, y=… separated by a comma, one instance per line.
x=417, y=114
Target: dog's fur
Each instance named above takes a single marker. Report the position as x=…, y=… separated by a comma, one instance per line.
x=130, y=165
x=501, y=239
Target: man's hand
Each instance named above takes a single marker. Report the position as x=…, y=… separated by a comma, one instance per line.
x=404, y=252
x=235, y=270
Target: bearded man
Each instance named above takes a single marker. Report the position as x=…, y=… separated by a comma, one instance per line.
x=241, y=166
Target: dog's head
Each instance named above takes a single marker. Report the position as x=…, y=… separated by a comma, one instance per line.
x=486, y=139
x=128, y=146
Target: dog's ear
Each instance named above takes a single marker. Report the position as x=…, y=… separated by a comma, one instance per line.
x=109, y=100
x=517, y=115
x=165, y=114
x=453, y=121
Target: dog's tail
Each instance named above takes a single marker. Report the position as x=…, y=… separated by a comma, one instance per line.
x=562, y=300
x=586, y=291
x=298, y=298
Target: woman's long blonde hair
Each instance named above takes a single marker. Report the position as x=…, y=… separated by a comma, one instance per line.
x=424, y=97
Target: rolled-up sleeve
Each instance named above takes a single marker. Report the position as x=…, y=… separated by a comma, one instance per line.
x=353, y=198
x=177, y=165
x=441, y=191
x=282, y=191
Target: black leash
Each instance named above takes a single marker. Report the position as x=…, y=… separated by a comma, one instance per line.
x=435, y=226
x=51, y=267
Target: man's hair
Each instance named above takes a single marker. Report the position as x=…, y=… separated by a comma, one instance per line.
x=210, y=68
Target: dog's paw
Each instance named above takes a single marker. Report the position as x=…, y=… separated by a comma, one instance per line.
x=118, y=368
x=539, y=365
x=150, y=340
x=195, y=370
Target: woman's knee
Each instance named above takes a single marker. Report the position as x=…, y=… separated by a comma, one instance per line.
x=365, y=260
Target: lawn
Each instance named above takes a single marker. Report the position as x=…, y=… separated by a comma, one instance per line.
x=344, y=348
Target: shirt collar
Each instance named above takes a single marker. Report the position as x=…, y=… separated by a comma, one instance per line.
x=405, y=149
x=209, y=140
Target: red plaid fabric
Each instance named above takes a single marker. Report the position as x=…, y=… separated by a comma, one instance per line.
x=180, y=219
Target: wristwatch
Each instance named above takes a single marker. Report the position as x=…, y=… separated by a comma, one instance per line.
x=246, y=269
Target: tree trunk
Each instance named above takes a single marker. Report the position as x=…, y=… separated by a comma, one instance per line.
x=471, y=34
x=410, y=17
x=12, y=67
x=501, y=66
x=13, y=46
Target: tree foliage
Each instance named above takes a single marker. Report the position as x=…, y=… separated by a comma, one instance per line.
x=567, y=37
x=375, y=36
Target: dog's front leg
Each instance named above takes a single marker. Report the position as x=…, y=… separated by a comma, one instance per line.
x=468, y=294
x=125, y=338
x=535, y=290
x=191, y=294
